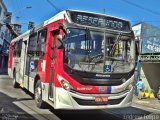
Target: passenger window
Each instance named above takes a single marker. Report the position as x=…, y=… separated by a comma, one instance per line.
x=41, y=40
x=32, y=45
x=17, y=48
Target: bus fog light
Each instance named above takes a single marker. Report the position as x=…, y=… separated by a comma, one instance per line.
x=123, y=80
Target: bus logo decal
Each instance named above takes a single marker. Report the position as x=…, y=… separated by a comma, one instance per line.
x=101, y=89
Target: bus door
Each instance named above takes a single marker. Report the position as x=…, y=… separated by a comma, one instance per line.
x=17, y=60
x=23, y=61
x=52, y=64
x=30, y=56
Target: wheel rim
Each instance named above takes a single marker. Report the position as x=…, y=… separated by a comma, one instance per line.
x=14, y=78
x=14, y=81
x=38, y=94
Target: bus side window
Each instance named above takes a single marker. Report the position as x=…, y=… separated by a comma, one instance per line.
x=19, y=48
x=31, y=51
x=41, y=40
x=32, y=45
x=15, y=49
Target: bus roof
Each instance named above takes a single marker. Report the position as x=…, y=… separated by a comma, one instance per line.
x=61, y=16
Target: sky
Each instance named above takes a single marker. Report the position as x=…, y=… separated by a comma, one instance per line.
x=133, y=10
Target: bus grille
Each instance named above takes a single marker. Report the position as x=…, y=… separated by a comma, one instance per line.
x=92, y=102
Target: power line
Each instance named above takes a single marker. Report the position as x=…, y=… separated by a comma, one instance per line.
x=54, y=6
x=141, y=7
x=154, y=21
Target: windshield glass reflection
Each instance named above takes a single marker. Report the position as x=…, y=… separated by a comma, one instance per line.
x=99, y=52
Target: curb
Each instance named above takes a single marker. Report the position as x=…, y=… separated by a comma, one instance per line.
x=148, y=105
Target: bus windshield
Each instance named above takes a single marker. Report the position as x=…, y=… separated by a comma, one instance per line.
x=99, y=52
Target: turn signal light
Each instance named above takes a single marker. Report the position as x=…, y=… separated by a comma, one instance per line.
x=130, y=86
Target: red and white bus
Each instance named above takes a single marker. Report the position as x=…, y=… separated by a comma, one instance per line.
x=76, y=60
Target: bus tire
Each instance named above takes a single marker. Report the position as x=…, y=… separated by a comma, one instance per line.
x=38, y=95
x=15, y=84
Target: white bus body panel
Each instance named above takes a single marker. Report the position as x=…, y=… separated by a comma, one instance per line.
x=63, y=99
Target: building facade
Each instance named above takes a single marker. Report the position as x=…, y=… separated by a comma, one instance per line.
x=6, y=34
x=148, y=37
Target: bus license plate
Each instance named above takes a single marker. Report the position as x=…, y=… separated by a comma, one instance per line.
x=101, y=99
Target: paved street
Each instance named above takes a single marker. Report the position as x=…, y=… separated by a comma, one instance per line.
x=16, y=104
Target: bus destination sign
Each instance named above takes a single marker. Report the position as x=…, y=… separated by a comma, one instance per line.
x=102, y=21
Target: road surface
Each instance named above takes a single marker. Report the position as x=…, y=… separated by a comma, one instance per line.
x=16, y=104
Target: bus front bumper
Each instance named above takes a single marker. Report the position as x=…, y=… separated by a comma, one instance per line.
x=71, y=100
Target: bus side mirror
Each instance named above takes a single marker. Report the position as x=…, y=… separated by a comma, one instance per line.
x=60, y=37
x=61, y=27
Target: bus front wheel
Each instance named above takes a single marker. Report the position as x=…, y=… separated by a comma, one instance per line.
x=38, y=95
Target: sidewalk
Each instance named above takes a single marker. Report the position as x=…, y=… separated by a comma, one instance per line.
x=4, y=76
x=148, y=102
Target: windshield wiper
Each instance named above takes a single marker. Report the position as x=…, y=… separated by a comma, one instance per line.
x=114, y=45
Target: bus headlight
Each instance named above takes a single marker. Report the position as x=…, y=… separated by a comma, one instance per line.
x=66, y=85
